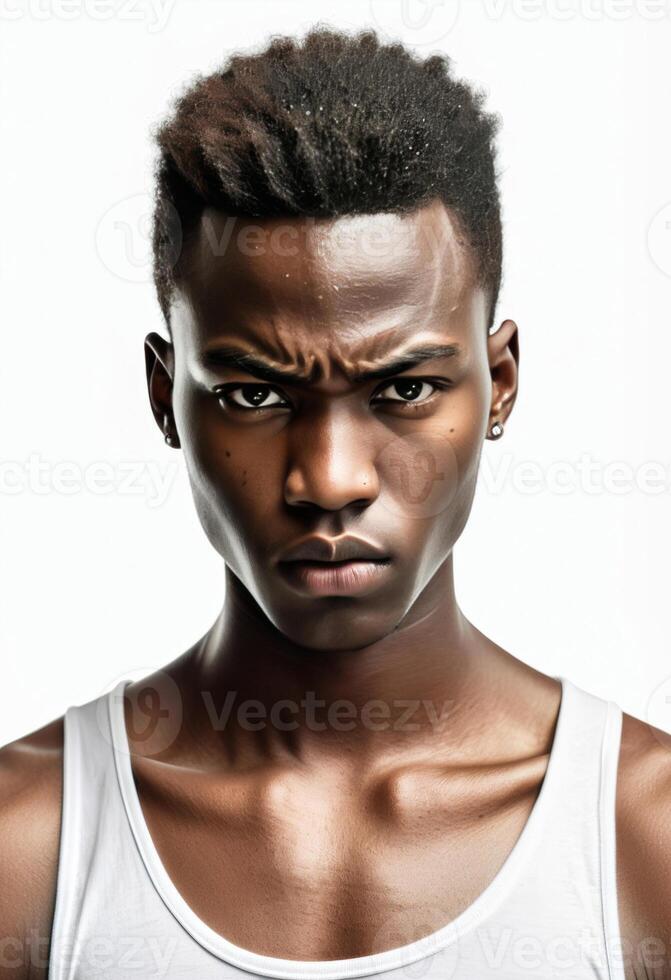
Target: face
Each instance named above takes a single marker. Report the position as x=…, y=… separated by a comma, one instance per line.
x=330, y=380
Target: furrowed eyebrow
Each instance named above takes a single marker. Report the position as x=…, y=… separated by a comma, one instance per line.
x=409, y=359
x=233, y=357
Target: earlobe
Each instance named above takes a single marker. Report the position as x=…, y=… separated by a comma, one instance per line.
x=159, y=366
x=503, y=354
x=169, y=433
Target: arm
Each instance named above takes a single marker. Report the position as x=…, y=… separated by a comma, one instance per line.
x=30, y=812
x=643, y=836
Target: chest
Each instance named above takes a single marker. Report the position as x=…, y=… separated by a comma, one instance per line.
x=315, y=868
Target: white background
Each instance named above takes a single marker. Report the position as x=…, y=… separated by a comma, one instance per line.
x=99, y=585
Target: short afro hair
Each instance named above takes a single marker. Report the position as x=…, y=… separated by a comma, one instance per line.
x=336, y=125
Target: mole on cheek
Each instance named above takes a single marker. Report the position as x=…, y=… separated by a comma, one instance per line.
x=227, y=453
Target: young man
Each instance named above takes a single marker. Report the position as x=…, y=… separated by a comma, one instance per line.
x=343, y=777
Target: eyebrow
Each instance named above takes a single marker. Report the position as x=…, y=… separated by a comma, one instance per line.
x=234, y=357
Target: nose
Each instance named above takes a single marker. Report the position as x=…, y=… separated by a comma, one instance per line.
x=331, y=466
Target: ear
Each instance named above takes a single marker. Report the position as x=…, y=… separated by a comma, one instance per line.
x=159, y=358
x=503, y=354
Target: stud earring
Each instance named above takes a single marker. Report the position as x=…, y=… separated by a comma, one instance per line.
x=496, y=430
x=168, y=438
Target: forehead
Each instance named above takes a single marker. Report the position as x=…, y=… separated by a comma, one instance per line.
x=291, y=284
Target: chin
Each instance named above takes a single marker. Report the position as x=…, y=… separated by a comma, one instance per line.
x=339, y=624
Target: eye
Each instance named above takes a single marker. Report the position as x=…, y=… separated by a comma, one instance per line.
x=250, y=396
x=410, y=390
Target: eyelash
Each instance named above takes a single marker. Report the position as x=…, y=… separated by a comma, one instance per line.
x=223, y=393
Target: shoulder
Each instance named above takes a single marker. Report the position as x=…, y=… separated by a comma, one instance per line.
x=30, y=817
x=643, y=835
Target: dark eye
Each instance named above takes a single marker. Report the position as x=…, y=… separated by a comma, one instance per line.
x=251, y=396
x=409, y=390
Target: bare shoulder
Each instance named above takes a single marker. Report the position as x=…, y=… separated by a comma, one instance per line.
x=643, y=825
x=30, y=817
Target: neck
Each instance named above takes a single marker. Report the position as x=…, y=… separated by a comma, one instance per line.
x=396, y=693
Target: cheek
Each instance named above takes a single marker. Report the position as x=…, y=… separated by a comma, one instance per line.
x=229, y=473
x=230, y=494
x=430, y=471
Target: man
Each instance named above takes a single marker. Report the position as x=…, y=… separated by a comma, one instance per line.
x=343, y=776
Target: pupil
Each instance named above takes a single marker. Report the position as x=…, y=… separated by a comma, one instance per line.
x=253, y=394
x=410, y=388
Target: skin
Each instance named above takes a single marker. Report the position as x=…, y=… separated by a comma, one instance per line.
x=408, y=825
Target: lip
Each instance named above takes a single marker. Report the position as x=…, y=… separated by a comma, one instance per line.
x=324, y=578
x=343, y=549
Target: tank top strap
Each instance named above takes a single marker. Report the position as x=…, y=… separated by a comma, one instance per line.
x=610, y=757
x=579, y=750
x=577, y=839
x=585, y=761
x=91, y=817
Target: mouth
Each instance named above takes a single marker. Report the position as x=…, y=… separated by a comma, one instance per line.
x=323, y=578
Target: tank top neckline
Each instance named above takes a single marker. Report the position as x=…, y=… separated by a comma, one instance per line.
x=358, y=966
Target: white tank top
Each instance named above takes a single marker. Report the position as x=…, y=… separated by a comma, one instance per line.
x=551, y=909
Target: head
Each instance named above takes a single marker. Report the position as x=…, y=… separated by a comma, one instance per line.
x=327, y=245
